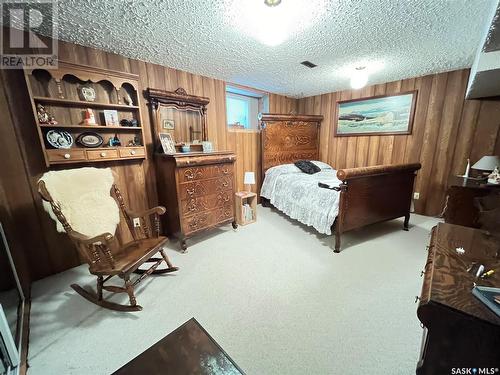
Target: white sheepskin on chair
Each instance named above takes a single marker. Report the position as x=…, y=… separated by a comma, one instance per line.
x=85, y=200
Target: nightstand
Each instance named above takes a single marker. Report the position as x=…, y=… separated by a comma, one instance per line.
x=460, y=208
x=246, y=207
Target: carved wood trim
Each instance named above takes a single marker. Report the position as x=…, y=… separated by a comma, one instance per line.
x=90, y=73
x=178, y=96
x=263, y=117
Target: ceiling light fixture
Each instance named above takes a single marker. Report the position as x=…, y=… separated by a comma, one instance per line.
x=272, y=3
x=272, y=22
x=359, y=77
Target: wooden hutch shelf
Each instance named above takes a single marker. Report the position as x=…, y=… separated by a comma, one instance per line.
x=96, y=127
x=59, y=92
x=81, y=103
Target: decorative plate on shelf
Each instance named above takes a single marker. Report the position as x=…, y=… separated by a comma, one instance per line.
x=86, y=93
x=59, y=139
x=89, y=139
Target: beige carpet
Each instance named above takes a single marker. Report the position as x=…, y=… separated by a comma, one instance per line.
x=272, y=294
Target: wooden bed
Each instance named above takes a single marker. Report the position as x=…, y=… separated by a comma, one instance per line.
x=368, y=195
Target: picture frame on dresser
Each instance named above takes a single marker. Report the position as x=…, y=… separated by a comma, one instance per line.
x=196, y=186
x=167, y=143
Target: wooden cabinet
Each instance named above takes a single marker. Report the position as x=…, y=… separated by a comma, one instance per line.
x=59, y=91
x=459, y=331
x=198, y=191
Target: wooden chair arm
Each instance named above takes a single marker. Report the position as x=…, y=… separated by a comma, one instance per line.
x=159, y=210
x=104, y=238
x=154, y=230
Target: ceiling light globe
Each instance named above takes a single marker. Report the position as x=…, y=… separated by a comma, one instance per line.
x=359, y=79
x=272, y=3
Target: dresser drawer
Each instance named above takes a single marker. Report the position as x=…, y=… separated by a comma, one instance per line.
x=428, y=270
x=203, y=172
x=224, y=213
x=199, y=204
x=102, y=154
x=207, y=219
x=197, y=222
x=66, y=155
x=205, y=187
x=131, y=152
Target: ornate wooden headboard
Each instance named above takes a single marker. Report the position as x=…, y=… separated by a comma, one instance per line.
x=288, y=138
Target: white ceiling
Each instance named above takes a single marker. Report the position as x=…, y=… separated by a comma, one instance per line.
x=400, y=38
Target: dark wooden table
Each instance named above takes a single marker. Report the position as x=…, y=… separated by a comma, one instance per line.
x=459, y=331
x=187, y=350
x=460, y=208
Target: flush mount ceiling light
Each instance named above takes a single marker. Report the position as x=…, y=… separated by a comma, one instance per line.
x=269, y=23
x=359, y=77
x=272, y=3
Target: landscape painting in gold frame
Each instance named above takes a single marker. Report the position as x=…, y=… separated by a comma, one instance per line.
x=376, y=115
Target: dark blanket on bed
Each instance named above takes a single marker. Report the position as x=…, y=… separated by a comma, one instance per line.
x=307, y=166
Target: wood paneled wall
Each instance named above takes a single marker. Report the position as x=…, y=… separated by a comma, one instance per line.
x=38, y=247
x=246, y=143
x=446, y=131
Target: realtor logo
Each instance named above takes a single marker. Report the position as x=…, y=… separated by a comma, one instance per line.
x=21, y=39
x=474, y=371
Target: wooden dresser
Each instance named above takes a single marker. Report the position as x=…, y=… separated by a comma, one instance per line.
x=198, y=191
x=459, y=331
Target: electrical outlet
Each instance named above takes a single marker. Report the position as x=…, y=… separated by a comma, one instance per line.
x=137, y=222
x=416, y=196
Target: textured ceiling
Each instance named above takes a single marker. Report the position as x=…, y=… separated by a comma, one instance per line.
x=395, y=39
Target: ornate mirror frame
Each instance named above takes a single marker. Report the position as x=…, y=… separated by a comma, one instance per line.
x=180, y=100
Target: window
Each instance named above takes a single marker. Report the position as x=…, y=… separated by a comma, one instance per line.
x=243, y=107
x=238, y=110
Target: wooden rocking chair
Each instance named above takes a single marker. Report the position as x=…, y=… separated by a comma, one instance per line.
x=97, y=251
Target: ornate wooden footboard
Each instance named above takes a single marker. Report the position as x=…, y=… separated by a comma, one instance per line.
x=368, y=194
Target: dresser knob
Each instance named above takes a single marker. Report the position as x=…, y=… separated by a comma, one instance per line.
x=103, y=154
x=132, y=152
x=67, y=156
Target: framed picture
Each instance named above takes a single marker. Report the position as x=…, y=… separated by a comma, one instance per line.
x=111, y=117
x=377, y=115
x=207, y=146
x=167, y=143
x=168, y=124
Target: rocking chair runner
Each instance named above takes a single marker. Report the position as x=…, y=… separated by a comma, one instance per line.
x=102, y=263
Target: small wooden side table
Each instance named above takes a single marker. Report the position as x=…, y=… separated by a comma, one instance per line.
x=460, y=208
x=245, y=200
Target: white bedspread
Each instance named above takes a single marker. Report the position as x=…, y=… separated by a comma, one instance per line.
x=298, y=195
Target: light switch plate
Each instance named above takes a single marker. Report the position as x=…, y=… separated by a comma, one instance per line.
x=416, y=196
x=137, y=222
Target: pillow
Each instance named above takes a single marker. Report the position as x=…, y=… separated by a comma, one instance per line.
x=321, y=165
x=307, y=167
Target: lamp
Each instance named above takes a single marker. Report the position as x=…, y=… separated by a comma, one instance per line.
x=487, y=163
x=249, y=179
